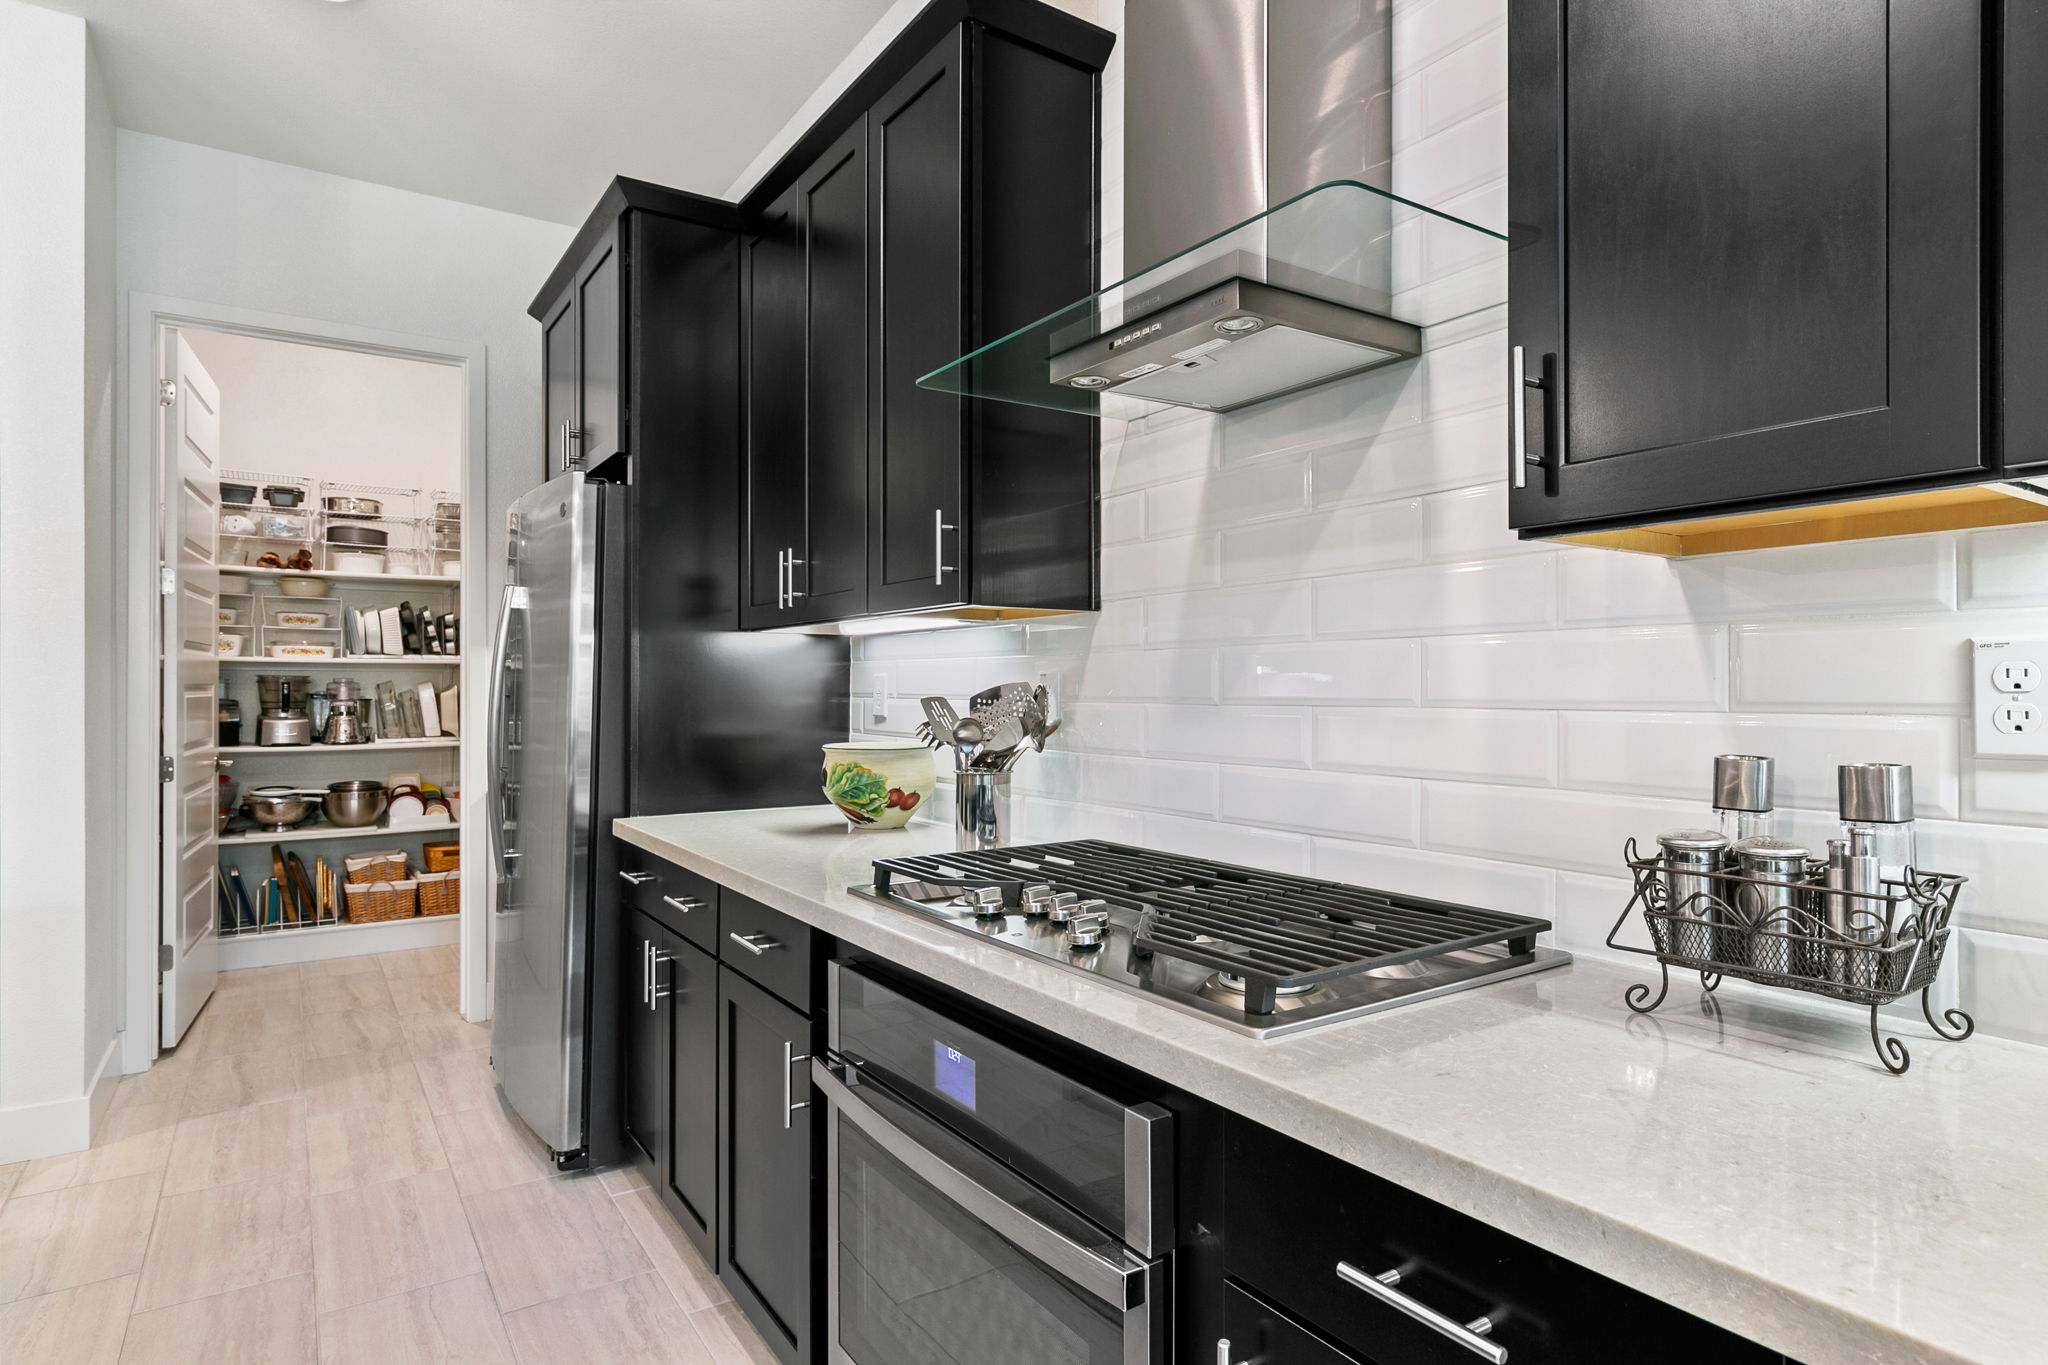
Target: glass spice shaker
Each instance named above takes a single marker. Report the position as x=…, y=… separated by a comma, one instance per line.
x=1877, y=806
x=1743, y=797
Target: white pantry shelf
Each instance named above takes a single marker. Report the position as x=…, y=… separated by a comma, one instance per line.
x=336, y=576
x=402, y=660
x=375, y=746
x=308, y=833
x=317, y=942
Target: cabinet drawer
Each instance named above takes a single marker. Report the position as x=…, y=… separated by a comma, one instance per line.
x=675, y=896
x=766, y=946
x=1261, y=1333
x=1293, y=1214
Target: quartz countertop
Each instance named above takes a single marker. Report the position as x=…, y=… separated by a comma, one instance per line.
x=1745, y=1160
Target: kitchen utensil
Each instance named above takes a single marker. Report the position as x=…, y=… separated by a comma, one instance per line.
x=237, y=524
x=878, y=784
x=445, y=535
x=238, y=494
x=447, y=511
x=930, y=740
x=390, y=720
x=318, y=706
x=302, y=587
x=302, y=890
x=367, y=537
x=345, y=723
x=941, y=716
x=409, y=629
x=1743, y=798
x=278, y=526
x=981, y=810
x=1003, y=744
x=354, y=803
x=282, y=728
x=1877, y=800
x=349, y=508
x=283, y=495
x=228, y=717
x=1774, y=911
x=277, y=808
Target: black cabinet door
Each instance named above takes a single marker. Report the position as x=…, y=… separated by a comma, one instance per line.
x=831, y=572
x=1744, y=251
x=600, y=369
x=1261, y=1333
x=558, y=382
x=917, y=553
x=2023, y=272
x=772, y=286
x=643, y=1039
x=767, y=1236
x=685, y=983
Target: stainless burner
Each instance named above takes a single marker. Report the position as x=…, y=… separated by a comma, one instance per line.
x=1230, y=983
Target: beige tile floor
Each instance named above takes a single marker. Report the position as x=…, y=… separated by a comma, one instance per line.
x=321, y=1173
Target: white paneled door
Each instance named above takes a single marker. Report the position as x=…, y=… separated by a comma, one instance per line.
x=189, y=404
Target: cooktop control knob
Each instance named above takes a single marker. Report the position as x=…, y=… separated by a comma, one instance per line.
x=1037, y=899
x=1086, y=928
x=987, y=902
x=1063, y=907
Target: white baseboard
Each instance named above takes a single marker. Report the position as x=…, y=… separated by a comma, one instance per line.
x=337, y=940
x=55, y=1127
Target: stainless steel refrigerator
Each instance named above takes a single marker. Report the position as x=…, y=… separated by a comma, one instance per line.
x=557, y=778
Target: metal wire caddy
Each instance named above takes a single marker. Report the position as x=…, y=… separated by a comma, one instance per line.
x=1892, y=944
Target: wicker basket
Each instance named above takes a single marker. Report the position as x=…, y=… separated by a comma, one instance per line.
x=444, y=856
x=374, y=902
x=440, y=893
x=385, y=865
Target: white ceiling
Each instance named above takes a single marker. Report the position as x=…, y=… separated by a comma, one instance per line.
x=530, y=106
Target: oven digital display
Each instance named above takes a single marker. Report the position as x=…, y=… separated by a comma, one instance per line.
x=953, y=1073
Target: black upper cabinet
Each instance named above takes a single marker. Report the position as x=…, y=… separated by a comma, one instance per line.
x=1744, y=264
x=583, y=360
x=2023, y=415
x=953, y=202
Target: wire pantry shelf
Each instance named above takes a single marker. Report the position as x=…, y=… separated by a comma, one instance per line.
x=1866, y=947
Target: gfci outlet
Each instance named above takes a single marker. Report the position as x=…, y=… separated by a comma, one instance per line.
x=2009, y=697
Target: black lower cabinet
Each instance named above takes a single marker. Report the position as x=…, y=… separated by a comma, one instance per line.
x=767, y=1178
x=669, y=1040
x=1261, y=1334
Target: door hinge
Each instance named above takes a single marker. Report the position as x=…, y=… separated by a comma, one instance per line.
x=163, y=957
x=167, y=581
x=166, y=392
x=166, y=768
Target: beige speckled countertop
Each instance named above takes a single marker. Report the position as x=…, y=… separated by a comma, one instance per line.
x=1752, y=1166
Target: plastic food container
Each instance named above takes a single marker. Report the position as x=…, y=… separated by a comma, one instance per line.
x=355, y=561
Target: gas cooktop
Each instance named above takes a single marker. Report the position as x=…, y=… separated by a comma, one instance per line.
x=1264, y=953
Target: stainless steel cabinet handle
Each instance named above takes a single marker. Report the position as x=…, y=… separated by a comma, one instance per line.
x=636, y=878
x=646, y=969
x=793, y=562
x=656, y=992
x=756, y=944
x=790, y=1103
x=1518, y=416
x=1223, y=1351
x=940, y=568
x=571, y=434
x=1470, y=1335
x=683, y=903
x=781, y=579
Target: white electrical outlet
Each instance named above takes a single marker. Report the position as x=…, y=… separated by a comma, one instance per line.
x=2009, y=697
x=878, y=704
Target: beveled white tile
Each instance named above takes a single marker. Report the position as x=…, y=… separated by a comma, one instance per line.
x=1648, y=667
x=1252, y=491
x=1228, y=734
x=1428, y=33
x=1472, y=523
x=1228, y=616
x=1497, y=594
x=1901, y=664
x=1103, y=727
x=1473, y=373
x=1378, y=536
x=2006, y=791
x=1440, y=742
x=1574, y=830
x=1445, y=164
x=1360, y=671
x=1157, y=784
x=1045, y=820
x=1461, y=83
x=1672, y=754
x=1910, y=573
x=2007, y=568
x=1422, y=457
x=1144, y=675
x=2007, y=866
x=1123, y=518
x=2005, y=983
x=1492, y=885
x=1586, y=910
x=1153, y=566
x=1228, y=843
x=1350, y=805
x=1351, y=413
x=1148, y=456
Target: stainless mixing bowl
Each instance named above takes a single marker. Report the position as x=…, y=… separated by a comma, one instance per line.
x=277, y=810
x=350, y=805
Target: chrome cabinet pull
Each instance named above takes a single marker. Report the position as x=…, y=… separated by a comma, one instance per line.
x=1223, y=1352
x=683, y=903
x=1518, y=417
x=646, y=969
x=571, y=435
x=793, y=562
x=1470, y=1335
x=940, y=568
x=790, y=1103
x=636, y=878
x=756, y=944
x=656, y=992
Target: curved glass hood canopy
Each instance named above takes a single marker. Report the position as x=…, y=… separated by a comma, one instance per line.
x=1339, y=279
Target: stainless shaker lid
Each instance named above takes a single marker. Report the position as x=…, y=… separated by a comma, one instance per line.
x=1878, y=792
x=1693, y=840
x=1743, y=782
x=1762, y=848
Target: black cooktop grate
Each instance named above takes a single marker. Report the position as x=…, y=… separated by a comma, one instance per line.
x=1276, y=931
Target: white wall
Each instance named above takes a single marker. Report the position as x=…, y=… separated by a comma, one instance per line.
x=1321, y=649
x=57, y=984
x=333, y=414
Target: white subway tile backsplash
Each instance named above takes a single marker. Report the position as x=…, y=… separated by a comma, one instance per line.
x=1576, y=831
x=2005, y=984
x=1485, y=595
x=1587, y=907
x=1344, y=671
x=2007, y=868
x=2008, y=568
x=1448, y=742
x=1459, y=158
x=1428, y=30
x=1275, y=613
x=2006, y=791
x=1468, y=375
x=1356, y=412
x=1046, y=821
x=1146, y=675
x=1672, y=755
x=1660, y=667
x=1906, y=664
x=1103, y=728
x=1228, y=734
x=1148, y=455
x=1155, y=784
x=1465, y=81
x=1351, y=806
x=1472, y=523
x=1912, y=574
x=1443, y=876
x=967, y=642
x=1158, y=565
x=957, y=678
x=1123, y=518
x=1230, y=497
x=1416, y=457
x=1265, y=848
x=1375, y=537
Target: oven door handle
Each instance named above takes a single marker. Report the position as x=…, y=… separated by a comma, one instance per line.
x=974, y=1182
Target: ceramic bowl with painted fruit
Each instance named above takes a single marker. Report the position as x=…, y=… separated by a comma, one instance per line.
x=878, y=784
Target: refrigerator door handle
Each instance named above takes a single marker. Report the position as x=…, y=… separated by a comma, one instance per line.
x=514, y=600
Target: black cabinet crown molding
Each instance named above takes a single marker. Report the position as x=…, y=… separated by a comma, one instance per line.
x=622, y=195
